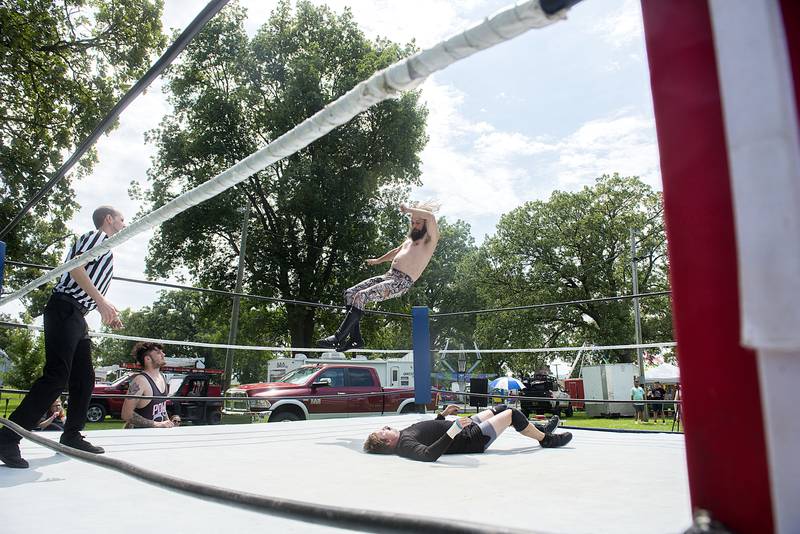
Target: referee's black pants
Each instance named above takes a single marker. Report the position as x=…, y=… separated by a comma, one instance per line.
x=68, y=361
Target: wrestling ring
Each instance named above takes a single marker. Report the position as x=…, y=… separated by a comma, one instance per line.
x=313, y=475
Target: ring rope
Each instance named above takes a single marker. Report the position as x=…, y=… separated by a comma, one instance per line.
x=550, y=304
x=11, y=324
x=378, y=312
x=554, y=399
x=588, y=348
x=374, y=394
x=403, y=75
x=223, y=398
x=367, y=520
x=222, y=292
x=92, y=333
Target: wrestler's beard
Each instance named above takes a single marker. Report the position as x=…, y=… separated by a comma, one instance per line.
x=416, y=235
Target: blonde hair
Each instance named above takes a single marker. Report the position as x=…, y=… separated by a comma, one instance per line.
x=376, y=445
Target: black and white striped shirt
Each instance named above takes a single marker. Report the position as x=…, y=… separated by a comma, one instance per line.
x=99, y=270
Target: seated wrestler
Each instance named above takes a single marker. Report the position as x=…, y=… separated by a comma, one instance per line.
x=426, y=441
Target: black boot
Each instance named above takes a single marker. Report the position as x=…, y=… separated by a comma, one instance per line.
x=551, y=425
x=355, y=341
x=350, y=320
x=76, y=441
x=9, y=455
x=551, y=441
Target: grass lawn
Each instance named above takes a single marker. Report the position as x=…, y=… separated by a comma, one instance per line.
x=579, y=419
x=8, y=402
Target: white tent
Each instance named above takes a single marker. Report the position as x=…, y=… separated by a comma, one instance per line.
x=561, y=369
x=666, y=373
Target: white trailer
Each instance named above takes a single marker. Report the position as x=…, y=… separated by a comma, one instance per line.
x=393, y=372
x=611, y=381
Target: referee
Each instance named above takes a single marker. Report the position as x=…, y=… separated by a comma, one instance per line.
x=68, y=350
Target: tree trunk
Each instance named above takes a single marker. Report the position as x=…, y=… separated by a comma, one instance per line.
x=301, y=326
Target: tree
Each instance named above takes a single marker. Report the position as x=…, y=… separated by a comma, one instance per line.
x=314, y=215
x=63, y=66
x=575, y=246
x=26, y=352
x=176, y=315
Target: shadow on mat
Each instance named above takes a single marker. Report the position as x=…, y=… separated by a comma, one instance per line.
x=16, y=477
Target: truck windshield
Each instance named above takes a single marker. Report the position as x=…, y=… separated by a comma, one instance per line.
x=299, y=376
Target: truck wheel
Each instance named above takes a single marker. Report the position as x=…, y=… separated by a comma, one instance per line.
x=568, y=411
x=407, y=409
x=284, y=417
x=96, y=413
x=215, y=417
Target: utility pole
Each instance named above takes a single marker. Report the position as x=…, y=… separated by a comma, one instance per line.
x=637, y=316
x=235, y=311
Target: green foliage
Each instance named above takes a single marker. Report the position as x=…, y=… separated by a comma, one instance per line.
x=63, y=66
x=575, y=246
x=315, y=215
x=204, y=318
x=26, y=352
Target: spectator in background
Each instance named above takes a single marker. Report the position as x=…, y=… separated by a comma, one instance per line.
x=657, y=393
x=637, y=394
x=54, y=418
x=147, y=412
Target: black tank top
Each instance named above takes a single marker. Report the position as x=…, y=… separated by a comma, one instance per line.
x=156, y=409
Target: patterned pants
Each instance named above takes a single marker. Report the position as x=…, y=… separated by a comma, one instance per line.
x=378, y=288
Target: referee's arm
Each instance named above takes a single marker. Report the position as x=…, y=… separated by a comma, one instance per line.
x=108, y=312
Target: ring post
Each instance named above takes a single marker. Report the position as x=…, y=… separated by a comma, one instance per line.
x=421, y=338
x=2, y=263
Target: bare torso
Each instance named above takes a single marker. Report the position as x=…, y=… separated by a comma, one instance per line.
x=413, y=257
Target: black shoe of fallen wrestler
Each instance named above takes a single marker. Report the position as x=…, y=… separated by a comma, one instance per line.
x=552, y=441
x=551, y=425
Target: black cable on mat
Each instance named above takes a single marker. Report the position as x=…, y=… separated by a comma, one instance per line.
x=336, y=516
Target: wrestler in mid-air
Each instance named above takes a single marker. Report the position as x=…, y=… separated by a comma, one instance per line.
x=408, y=262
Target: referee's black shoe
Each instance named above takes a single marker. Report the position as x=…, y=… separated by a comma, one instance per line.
x=9, y=455
x=76, y=441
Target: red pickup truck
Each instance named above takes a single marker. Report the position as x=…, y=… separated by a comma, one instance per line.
x=345, y=389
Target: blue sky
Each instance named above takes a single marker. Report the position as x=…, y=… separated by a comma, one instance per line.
x=552, y=109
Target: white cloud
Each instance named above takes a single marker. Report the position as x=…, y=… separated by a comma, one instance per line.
x=622, y=27
x=467, y=184
x=621, y=143
x=479, y=171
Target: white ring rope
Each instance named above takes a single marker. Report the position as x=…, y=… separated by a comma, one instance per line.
x=402, y=76
x=209, y=345
x=373, y=351
x=586, y=348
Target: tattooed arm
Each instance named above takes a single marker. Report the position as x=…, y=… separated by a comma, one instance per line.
x=137, y=421
x=137, y=387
